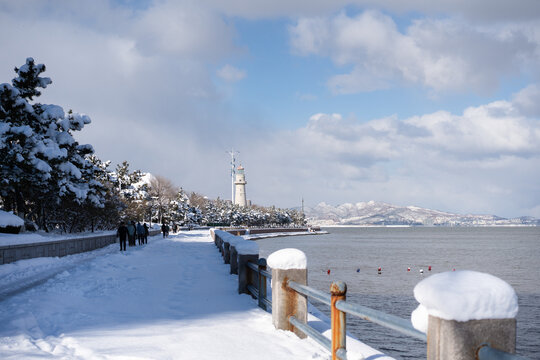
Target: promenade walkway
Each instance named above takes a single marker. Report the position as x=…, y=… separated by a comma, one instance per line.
x=170, y=299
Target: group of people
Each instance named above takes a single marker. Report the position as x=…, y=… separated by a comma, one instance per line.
x=132, y=232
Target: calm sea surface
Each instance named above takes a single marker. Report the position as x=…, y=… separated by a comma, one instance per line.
x=510, y=253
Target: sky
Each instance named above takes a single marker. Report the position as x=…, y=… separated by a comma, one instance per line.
x=432, y=104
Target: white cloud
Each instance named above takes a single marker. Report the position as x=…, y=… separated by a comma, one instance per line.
x=485, y=160
x=144, y=78
x=527, y=100
x=442, y=55
x=231, y=74
x=484, y=10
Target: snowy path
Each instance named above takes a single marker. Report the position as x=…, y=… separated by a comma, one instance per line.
x=171, y=299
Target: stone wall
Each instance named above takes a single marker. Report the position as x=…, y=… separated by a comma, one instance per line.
x=11, y=253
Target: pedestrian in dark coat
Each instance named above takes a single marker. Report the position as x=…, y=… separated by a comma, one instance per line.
x=122, y=235
x=146, y=233
x=131, y=233
x=164, y=229
x=140, y=233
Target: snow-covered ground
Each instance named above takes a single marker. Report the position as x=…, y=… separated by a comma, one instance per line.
x=171, y=299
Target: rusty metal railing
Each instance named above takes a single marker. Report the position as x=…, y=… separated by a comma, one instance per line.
x=339, y=307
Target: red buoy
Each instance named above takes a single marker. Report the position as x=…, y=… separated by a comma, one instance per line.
x=429, y=268
x=328, y=271
x=408, y=269
x=453, y=269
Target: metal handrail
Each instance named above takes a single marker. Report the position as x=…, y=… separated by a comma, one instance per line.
x=378, y=317
x=308, y=291
x=311, y=332
x=253, y=266
x=317, y=336
x=387, y=320
x=253, y=290
x=486, y=352
x=266, y=273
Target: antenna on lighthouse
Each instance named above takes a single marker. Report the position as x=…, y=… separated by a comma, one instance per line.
x=233, y=170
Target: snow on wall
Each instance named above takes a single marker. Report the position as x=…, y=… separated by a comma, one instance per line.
x=242, y=246
x=463, y=296
x=285, y=259
x=247, y=247
x=8, y=219
x=228, y=237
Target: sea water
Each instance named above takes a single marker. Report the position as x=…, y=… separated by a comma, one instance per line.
x=354, y=255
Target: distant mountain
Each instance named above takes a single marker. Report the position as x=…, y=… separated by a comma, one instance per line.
x=379, y=213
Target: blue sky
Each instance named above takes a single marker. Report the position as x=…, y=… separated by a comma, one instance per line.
x=423, y=103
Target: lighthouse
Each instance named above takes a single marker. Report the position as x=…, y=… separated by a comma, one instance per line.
x=240, y=187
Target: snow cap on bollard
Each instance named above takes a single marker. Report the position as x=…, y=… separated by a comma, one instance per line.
x=286, y=259
x=462, y=296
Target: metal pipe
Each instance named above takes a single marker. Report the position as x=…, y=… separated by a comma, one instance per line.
x=307, y=291
x=311, y=332
x=261, y=283
x=253, y=290
x=485, y=352
x=266, y=274
x=253, y=266
x=268, y=304
x=390, y=321
x=338, y=319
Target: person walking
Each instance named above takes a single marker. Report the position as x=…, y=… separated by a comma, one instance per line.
x=164, y=229
x=146, y=233
x=131, y=233
x=122, y=234
x=140, y=233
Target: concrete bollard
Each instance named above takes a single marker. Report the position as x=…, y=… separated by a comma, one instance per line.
x=248, y=251
x=288, y=265
x=226, y=253
x=456, y=340
x=461, y=311
x=233, y=259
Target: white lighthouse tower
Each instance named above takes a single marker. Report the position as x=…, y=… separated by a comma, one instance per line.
x=240, y=187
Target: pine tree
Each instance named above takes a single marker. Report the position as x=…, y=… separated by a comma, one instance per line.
x=45, y=172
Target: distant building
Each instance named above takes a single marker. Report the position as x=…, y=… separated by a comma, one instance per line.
x=240, y=187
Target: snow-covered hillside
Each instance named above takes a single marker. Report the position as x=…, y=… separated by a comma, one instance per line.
x=380, y=213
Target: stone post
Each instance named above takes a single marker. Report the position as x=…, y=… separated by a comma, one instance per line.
x=456, y=340
x=233, y=259
x=460, y=311
x=226, y=252
x=288, y=265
